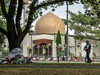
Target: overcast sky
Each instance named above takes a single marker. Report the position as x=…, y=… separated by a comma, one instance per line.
x=60, y=12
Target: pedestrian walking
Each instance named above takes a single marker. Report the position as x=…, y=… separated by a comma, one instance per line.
x=88, y=50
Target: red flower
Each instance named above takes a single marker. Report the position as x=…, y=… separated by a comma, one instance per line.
x=64, y=45
x=19, y=56
x=61, y=48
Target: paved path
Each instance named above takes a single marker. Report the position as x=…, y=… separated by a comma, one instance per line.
x=49, y=66
x=63, y=62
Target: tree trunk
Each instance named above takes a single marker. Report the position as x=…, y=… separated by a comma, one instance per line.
x=58, y=54
x=13, y=44
x=15, y=41
x=58, y=59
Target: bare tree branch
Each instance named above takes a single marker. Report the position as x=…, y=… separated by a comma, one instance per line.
x=18, y=16
x=3, y=8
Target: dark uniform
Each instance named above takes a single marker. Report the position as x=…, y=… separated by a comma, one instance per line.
x=88, y=52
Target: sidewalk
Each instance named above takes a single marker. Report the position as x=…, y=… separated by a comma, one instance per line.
x=63, y=62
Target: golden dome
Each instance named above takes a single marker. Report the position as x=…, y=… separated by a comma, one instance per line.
x=26, y=1
x=49, y=24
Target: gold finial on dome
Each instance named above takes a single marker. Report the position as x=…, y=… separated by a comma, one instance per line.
x=49, y=24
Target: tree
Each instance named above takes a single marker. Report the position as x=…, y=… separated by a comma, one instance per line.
x=58, y=38
x=85, y=26
x=12, y=16
x=92, y=7
x=58, y=41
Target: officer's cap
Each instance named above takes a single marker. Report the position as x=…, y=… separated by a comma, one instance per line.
x=87, y=41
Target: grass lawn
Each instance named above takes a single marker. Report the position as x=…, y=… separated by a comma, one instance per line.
x=49, y=71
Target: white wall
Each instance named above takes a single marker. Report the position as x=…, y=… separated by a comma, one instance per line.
x=78, y=49
x=26, y=42
x=43, y=36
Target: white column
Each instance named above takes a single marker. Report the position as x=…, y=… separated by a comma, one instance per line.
x=25, y=51
x=25, y=45
x=26, y=38
x=54, y=53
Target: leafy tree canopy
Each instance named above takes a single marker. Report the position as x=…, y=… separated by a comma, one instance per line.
x=85, y=26
x=92, y=7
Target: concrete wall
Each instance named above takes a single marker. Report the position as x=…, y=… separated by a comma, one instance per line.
x=79, y=49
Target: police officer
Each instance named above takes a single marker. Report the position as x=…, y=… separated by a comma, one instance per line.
x=88, y=50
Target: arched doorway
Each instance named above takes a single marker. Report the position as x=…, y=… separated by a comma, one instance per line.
x=42, y=47
x=39, y=49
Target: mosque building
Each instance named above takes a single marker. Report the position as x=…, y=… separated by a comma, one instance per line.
x=45, y=33
x=46, y=30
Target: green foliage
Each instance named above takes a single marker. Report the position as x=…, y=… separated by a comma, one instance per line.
x=58, y=41
x=64, y=20
x=58, y=38
x=2, y=18
x=3, y=23
x=85, y=26
x=92, y=7
x=2, y=38
x=4, y=53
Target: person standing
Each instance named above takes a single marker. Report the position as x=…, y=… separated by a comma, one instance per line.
x=88, y=50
